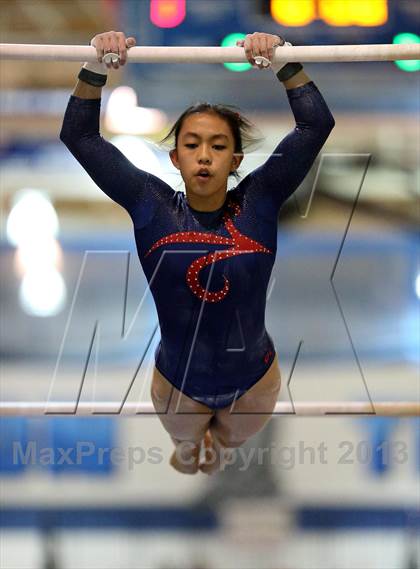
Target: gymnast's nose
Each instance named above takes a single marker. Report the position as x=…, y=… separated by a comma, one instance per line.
x=204, y=156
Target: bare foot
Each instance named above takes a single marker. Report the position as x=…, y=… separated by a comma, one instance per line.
x=185, y=458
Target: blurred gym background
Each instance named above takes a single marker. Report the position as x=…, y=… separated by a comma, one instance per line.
x=343, y=308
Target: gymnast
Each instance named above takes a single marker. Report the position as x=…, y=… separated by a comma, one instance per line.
x=207, y=253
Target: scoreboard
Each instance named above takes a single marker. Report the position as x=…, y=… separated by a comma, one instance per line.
x=372, y=14
x=332, y=12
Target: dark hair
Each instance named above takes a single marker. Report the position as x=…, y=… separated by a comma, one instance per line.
x=245, y=134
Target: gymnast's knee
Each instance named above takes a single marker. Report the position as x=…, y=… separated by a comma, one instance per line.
x=182, y=429
x=226, y=439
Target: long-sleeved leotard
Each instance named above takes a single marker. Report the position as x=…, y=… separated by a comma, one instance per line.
x=208, y=271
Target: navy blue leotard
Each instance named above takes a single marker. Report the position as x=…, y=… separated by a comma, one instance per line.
x=208, y=271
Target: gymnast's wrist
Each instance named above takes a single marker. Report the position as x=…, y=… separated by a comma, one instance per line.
x=288, y=71
x=285, y=71
x=94, y=73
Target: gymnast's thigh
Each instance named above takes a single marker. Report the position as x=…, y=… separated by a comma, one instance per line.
x=181, y=416
x=167, y=398
x=252, y=410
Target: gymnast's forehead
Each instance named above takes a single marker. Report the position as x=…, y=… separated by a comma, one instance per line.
x=207, y=123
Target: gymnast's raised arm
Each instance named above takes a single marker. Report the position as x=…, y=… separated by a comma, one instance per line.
x=106, y=165
x=277, y=179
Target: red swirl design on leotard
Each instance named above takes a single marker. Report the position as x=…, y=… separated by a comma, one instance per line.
x=240, y=245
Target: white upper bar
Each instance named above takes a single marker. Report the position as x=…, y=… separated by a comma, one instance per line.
x=301, y=408
x=149, y=54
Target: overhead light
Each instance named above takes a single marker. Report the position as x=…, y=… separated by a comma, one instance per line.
x=124, y=116
x=42, y=292
x=32, y=217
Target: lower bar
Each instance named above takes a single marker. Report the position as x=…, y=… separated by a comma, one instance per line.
x=304, y=408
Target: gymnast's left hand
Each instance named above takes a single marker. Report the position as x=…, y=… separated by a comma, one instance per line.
x=260, y=44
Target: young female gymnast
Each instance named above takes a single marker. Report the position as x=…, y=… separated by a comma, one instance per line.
x=207, y=254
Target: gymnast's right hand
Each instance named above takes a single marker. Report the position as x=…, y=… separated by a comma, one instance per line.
x=112, y=42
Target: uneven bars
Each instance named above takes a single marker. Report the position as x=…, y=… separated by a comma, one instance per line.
x=130, y=409
x=150, y=54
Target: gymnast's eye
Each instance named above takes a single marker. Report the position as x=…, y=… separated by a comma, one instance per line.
x=219, y=147
x=191, y=145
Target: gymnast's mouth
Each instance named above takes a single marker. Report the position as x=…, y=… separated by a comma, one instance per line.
x=203, y=174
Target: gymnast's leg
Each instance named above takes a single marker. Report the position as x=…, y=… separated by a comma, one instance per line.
x=231, y=427
x=186, y=420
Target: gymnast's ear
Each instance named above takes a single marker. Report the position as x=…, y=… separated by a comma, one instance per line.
x=236, y=161
x=173, y=154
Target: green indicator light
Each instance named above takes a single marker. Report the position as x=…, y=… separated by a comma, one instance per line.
x=230, y=41
x=407, y=64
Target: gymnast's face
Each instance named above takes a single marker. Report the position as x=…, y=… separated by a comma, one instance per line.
x=205, y=157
